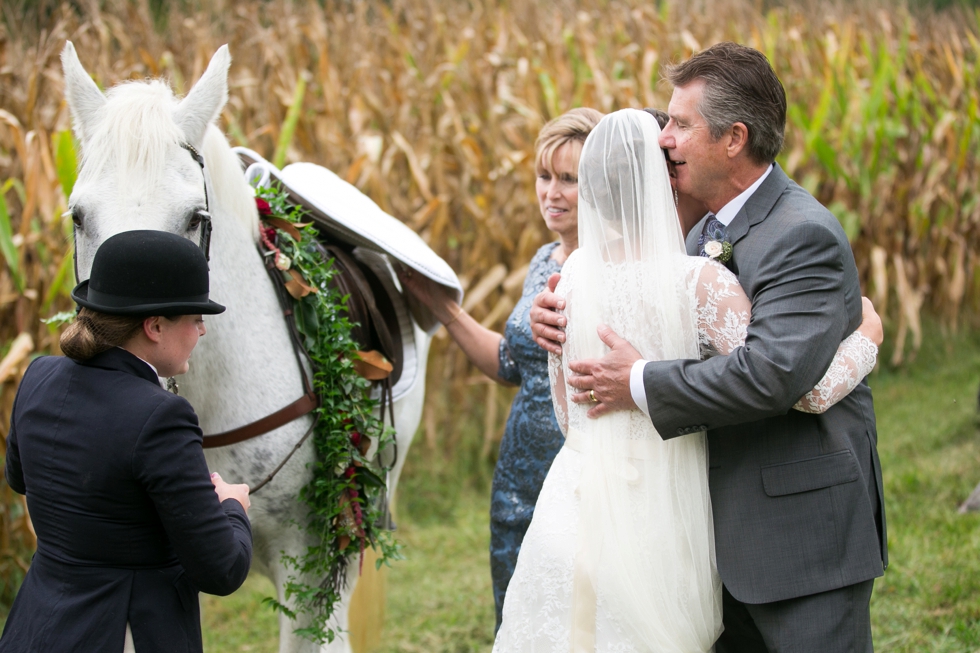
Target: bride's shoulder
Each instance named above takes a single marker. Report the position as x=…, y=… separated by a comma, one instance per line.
x=711, y=277
x=571, y=263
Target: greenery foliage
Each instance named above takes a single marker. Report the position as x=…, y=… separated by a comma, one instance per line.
x=346, y=493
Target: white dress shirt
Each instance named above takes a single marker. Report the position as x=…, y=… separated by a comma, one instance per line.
x=725, y=216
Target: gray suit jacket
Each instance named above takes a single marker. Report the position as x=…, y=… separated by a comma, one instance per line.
x=795, y=496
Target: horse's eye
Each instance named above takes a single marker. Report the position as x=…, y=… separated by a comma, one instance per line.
x=77, y=216
x=195, y=221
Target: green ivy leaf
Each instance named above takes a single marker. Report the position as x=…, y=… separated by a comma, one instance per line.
x=345, y=406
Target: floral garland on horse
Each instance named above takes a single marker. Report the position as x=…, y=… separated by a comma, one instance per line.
x=346, y=495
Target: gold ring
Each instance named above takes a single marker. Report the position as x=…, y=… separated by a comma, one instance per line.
x=592, y=397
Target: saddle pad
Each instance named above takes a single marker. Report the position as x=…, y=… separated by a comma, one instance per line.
x=345, y=212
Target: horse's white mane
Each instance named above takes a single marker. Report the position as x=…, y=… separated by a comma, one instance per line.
x=228, y=186
x=135, y=136
x=135, y=131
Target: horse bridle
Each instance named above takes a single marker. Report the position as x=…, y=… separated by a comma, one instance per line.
x=204, y=241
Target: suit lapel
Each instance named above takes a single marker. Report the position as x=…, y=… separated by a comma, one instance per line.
x=758, y=206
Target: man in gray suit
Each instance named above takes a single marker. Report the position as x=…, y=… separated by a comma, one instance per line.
x=797, y=497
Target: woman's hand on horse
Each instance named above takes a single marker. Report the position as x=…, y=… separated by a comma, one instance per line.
x=547, y=323
x=436, y=297
x=238, y=492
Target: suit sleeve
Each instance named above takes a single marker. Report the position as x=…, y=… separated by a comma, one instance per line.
x=798, y=320
x=212, y=539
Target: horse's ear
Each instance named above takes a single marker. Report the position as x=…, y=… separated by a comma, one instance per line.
x=204, y=103
x=85, y=100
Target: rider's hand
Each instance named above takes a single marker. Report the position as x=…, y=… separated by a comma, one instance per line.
x=238, y=492
x=546, y=322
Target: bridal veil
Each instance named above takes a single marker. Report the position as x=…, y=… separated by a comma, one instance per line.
x=645, y=547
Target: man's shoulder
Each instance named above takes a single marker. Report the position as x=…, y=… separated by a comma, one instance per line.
x=797, y=210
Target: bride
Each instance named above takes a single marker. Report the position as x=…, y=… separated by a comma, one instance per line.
x=619, y=557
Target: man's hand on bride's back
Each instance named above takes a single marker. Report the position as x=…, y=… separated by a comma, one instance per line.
x=546, y=322
x=604, y=383
x=871, y=322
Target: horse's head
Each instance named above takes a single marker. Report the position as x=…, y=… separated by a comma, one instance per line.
x=138, y=143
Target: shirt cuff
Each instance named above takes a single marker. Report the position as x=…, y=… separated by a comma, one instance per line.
x=636, y=386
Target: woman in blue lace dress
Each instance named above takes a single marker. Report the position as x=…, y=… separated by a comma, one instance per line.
x=532, y=438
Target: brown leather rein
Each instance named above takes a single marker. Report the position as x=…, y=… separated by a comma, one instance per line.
x=302, y=406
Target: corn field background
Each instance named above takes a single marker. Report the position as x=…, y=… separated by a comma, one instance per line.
x=431, y=107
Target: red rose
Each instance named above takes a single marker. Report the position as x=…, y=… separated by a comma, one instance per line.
x=269, y=233
x=263, y=206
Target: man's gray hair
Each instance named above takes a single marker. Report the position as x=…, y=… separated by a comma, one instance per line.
x=739, y=86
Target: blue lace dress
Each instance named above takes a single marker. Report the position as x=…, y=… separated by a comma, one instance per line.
x=532, y=438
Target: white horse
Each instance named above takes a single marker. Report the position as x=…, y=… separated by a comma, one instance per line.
x=135, y=173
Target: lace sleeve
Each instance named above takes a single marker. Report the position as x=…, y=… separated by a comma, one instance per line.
x=558, y=394
x=723, y=310
x=556, y=364
x=723, y=318
x=854, y=360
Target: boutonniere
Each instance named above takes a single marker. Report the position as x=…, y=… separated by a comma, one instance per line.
x=719, y=250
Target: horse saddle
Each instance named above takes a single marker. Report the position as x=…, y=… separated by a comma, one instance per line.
x=348, y=217
x=349, y=223
x=372, y=312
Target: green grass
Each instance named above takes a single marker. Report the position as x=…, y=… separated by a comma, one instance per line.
x=929, y=599
x=439, y=599
x=240, y=622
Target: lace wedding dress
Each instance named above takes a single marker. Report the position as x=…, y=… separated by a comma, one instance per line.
x=619, y=557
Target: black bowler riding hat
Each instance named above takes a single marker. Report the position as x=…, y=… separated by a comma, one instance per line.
x=147, y=273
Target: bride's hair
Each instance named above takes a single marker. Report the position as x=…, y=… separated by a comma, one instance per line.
x=617, y=186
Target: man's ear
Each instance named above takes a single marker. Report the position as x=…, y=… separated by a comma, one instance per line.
x=738, y=140
x=152, y=328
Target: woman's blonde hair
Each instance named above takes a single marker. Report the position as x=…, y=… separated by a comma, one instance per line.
x=571, y=127
x=93, y=333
